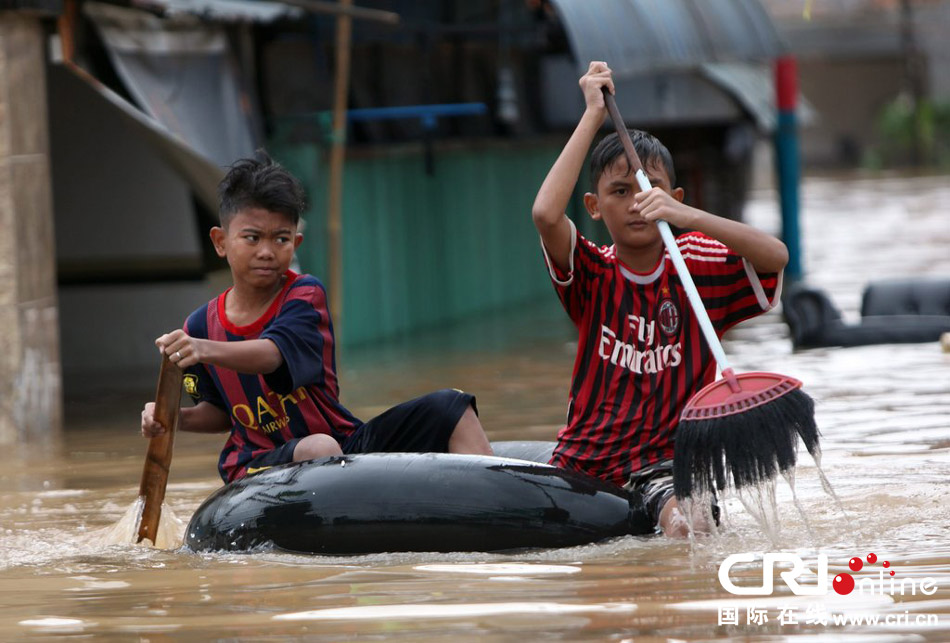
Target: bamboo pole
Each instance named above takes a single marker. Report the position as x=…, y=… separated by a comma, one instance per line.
x=66, y=28
x=337, y=158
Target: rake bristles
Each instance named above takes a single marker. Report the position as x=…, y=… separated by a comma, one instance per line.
x=743, y=449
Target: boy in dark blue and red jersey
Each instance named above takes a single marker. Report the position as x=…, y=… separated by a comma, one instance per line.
x=259, y=358
x=640, y=354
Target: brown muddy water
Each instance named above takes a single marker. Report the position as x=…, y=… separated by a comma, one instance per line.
x=884, y=412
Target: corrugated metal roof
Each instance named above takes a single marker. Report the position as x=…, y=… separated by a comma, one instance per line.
x=223, y=10
x=753, y=86
x=636, y=36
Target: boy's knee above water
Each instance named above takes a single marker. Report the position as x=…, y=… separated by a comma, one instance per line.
x=317, y=445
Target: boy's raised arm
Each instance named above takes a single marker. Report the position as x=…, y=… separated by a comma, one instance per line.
x=551, y=202
x=766, y=253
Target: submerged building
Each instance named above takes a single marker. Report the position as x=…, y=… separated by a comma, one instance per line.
x=455, y=112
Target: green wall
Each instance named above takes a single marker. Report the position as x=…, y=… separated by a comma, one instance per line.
x=424, y=250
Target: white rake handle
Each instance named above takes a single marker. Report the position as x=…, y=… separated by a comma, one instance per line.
x=691, y=292
x=669, y=241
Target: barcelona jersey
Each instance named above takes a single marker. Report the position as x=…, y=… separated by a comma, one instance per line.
x=641, y=355
x=298, y=399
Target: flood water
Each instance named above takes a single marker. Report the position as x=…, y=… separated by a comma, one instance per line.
x=884, y=412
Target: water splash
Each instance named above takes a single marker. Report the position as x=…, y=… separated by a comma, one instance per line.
x=790, y=480
x=698, y=513
x=169, y=534
x=760, y=502
x=826, y=484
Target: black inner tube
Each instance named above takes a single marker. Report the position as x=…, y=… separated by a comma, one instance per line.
x=400, y=502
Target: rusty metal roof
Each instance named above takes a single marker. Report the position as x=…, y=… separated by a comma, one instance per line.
x=636, y=36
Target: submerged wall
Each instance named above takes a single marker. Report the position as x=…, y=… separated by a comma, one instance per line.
x=30, y=400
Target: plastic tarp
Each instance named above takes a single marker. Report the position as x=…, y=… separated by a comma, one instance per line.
x=201, y=174
x=181, y=73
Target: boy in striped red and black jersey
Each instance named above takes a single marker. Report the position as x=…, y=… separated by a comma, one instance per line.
x=640, y=354
x=259, y=358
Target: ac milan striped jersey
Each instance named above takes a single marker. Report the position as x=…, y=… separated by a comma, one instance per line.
x=640, y=353
x=298, y=399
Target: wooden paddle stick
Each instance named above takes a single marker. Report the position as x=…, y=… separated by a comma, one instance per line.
x=159, y=457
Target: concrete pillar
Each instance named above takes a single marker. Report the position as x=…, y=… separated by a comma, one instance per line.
x=30, y=389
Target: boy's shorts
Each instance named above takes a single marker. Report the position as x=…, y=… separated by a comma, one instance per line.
x=654, y=485
x=421, y=425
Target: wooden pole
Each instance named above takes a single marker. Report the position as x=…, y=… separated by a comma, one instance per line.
x=159, y=458
x=66, y=27
x=337, y=156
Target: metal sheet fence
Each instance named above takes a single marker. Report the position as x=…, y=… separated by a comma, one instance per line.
x=424, y=250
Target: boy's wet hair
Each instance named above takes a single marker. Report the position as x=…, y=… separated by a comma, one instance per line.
x=259, y=182
x=649, y=148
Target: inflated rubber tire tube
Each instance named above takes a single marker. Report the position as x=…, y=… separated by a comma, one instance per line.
x=399, y=502
x=892, y=312
x=533, y=450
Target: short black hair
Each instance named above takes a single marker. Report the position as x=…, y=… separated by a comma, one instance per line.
x=259, y=182
x=648, y=147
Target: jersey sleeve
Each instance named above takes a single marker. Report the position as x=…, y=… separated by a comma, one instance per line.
x=200, y=386
x=300, y=330
x=575, y=287
x=730, y=287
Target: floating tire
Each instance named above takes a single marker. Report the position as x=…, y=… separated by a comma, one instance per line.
x=403, y=502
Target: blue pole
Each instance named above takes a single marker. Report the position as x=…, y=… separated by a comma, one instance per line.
x=788, y=165
x=416, y=111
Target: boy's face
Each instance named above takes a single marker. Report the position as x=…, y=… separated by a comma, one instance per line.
x=614, y=204
x=259, y=246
